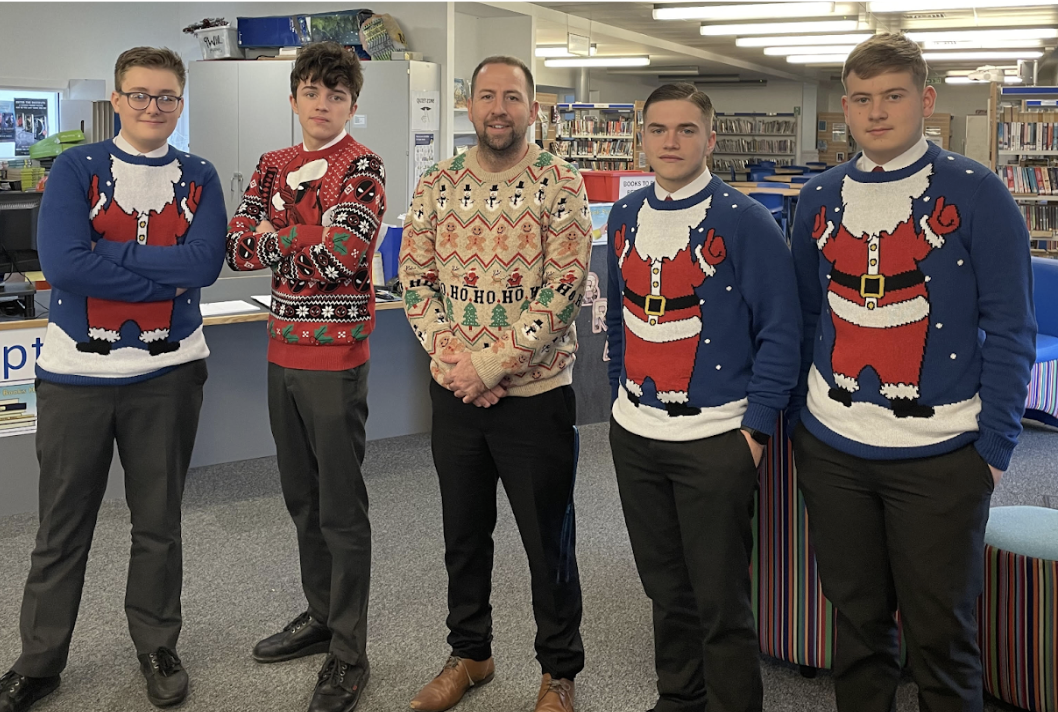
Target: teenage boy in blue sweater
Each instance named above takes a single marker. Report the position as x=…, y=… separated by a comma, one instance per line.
x=916, y=293
x=703, y=329
x=129, y=230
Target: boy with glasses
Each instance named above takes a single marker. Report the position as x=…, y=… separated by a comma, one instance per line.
x=311, y=214
x=129, y=230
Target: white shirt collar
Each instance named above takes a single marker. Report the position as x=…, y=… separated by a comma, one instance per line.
x=693, y=188
x=124, y=145
x=335, y=140
x=904, y=160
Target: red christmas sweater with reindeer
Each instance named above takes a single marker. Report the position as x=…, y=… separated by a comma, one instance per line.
x=327, y=207
x=118, y=235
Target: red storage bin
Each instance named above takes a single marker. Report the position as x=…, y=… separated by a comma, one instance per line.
x=605, y=186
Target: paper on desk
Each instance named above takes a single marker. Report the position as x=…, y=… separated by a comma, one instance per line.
x=232, y=307
x=265, y=301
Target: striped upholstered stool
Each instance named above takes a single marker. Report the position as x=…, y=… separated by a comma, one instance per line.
x=1019, y=608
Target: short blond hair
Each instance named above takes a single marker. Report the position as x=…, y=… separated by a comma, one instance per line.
x=152, y=58
x=886, y=52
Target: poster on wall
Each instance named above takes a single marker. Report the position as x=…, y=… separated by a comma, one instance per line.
x=425, y=155
x=31, y=123
x=7, y=121
x=426, y=110
x=18, y=408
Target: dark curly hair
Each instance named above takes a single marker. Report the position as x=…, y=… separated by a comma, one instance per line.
x=330, y=63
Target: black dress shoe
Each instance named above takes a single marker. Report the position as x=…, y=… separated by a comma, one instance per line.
x=302, y=636
x=338, y=687
x=18, y=692
x=166, y=677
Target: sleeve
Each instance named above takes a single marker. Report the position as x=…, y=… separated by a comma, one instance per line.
x=810, y=298
x=424, y=300
x=615, y=328
x=566, y=254
x=64, y=244
x=765, y=273
x=246, y=250
x=197, y=260
x=340, y=251
x=1001, y=258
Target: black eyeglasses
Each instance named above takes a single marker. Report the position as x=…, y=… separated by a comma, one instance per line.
x=139, y=101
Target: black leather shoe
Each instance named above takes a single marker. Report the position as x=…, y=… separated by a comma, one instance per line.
x=18, y=692
x=339, y=686
x=302, y=636
x=166, y=677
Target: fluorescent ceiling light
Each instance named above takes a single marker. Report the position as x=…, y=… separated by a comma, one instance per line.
x=972, y=56
x=966, y=80
x=824, y=49
x=1035, y=33
x=741, y=11
x=965, y=72
x=817, y=58
x=801, y=40
x=559, y=51
x=982, y=44
x=931, y=5
x=779, y=28
x=598, y=62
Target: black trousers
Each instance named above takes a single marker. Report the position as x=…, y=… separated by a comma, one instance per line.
x=689, y=509
x=528, y=444
x=154, y=423
x=907, y=534
x=319, y=421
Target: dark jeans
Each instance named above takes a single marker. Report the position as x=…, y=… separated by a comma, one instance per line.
x=319, y=421
x=689, y=509
x=528, y=445
x=907, y=534
x=154, y=423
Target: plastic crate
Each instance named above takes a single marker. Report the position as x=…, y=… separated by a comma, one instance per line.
x=605, y=186
x=273, y=31
x=219, y=43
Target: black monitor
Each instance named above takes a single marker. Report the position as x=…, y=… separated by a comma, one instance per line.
x=18, y=231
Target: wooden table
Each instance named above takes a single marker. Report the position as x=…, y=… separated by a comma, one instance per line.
x=788, y=171
x=744, y=186
x=782, y=178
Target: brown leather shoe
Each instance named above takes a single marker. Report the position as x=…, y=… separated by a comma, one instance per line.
x=554, y=695
x=448, y=688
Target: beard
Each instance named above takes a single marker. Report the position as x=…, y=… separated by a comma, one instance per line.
x=502, y=146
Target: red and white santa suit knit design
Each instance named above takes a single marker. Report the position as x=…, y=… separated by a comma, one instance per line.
x=139, y=203
x=877, y=294
x=327, y=208
x=662, y=314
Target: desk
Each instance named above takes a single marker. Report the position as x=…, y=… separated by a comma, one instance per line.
x=780, y=170
x=782, y=178
x=750, y=185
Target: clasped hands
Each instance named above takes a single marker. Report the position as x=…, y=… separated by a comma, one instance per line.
x=463, y=380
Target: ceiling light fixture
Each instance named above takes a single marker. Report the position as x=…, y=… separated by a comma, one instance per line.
x=1008, y=79
x=779, y=28
x=801, y=40
x=742, y=11
x=817, y=58
x=688, y=70
x=1034, y=33
x=823, y=49
x=982, y=44
x=598, y=62
x=932, y=5
x=972, y=56
x=559, y=51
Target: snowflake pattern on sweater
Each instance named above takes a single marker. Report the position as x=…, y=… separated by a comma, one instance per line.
x=495, y=264
x=327, y=208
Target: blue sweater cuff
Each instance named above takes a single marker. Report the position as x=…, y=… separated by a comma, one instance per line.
x=995, y=449
x=760, y=417
x=112, y=251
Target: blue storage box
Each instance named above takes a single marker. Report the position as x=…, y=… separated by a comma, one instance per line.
x=274, y=31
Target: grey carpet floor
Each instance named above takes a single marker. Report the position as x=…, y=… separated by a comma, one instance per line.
x=242, y=582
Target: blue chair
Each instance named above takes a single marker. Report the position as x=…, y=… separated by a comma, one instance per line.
x=775, y=205
x=770, y=184
x=758, y=174
x=801, y=179
x=1042, y=403
x=816, y=166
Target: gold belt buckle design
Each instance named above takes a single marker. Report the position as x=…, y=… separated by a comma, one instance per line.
x=879, y=291
x=656, y=311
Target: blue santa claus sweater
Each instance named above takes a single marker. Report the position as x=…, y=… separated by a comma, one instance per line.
x=916, y=293
x=702, y=321
x=118, y=235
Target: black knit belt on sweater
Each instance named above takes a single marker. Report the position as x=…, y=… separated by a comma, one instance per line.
x=655, y=305
x=876, y=285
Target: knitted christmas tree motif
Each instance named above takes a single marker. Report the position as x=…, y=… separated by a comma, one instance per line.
x=499, y=316
x=566, y=315
x=411, y=298
x=470, y=316
x=544, y=159
x=430, y=171
x=545, y=296
x=525, y=305
x=450, y=311
x=457, y=164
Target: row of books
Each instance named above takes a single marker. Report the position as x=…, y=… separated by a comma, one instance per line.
x=600, y=165
x=742, y=164
x=1040, y=216
x=754, y=145
x=1027, y=136
x=743, y=125
x=589, y=147
x=1038, y=180
x=595, y=126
